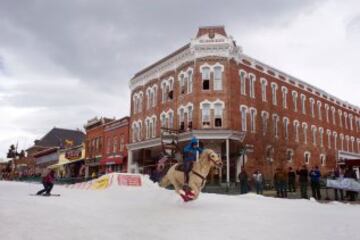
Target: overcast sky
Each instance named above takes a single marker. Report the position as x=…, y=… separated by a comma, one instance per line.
x=64, y=62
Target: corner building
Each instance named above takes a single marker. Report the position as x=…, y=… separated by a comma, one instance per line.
x=210, y=89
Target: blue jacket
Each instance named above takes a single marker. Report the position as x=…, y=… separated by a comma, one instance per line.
x=190, y=150
x=315, y=175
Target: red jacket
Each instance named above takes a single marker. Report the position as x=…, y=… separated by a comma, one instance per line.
x=49, y=178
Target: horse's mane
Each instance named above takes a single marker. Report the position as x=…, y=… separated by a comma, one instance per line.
x=204, y=156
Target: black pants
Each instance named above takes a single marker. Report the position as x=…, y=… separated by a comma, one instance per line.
x=341, y=194
x=291, y=185
x=303, y=189
x=315, y=188
x=187, y=168
x=47, y=188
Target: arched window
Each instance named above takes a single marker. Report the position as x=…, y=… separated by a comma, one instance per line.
x=242, y=82
x=218, y=114
x=319, y=110
x=333, y=115
x=295, y=97
x=328, y=132
x=273, y=92
x=154, y=127
x=305, y=127
x=217, y=78
x=296, y=130
x=322, y=159
x=243, y=110
x=190, y=116
x=205, y=115
x=321, y=133
x=205, y=78
x=253, y=120
x=190, y=81
x=275, y=118
x=263, y=89
x=252, y=80
x=303, y=103
x=340, y=117
x=307, y=156
x=286, y=127
x=312, y=110
x=265, y=118
x=313, y=130
x=335, y=140
x=284, y=92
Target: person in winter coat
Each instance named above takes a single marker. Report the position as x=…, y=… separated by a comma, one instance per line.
x=338, y=174
x=280, y=182
x=259, y=181
x=190, y=151
x=303, y=180
x=243, y=177
x=291, y=180
x=315, y=182
x=350, y=173
x=48, y=183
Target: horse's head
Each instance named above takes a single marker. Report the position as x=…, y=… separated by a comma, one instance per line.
x=212, y=157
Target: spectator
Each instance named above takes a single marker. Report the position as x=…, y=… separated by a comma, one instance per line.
x=315, y=182
x=243, y=177
x=350, y=173
x=259, y=181
x=338, y=174
x=280, y=182
x=303, y=181
x=291, y=180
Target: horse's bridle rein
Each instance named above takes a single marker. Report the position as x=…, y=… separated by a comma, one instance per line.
x=202, y=177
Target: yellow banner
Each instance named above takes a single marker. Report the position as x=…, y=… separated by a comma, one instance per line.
x=101, y=183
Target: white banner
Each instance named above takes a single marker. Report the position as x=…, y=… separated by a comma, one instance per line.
x=345, y=184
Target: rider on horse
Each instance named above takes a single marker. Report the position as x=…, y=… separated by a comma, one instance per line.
x=190, y=151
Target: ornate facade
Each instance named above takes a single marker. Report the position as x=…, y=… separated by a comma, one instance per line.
x=210, y=89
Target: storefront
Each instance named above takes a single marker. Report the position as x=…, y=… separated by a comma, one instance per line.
x=349, y=159
x=113, y=163
x=71, y=162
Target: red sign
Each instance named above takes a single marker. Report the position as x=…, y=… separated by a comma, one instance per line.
x=129, y=180
x=73, y=154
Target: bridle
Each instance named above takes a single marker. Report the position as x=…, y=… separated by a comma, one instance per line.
x=203, y=179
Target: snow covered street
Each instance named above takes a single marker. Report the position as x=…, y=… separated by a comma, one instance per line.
x=150, y=212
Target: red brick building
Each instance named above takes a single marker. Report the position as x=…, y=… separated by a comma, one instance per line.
x=212, y=90
x=105, y=145
x=116, y=135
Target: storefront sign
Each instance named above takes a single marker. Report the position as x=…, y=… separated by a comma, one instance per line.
x=73, y=154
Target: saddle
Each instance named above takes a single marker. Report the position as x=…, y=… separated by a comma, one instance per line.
x=180, y=167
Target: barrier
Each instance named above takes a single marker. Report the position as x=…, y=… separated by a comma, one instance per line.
x=106, y=181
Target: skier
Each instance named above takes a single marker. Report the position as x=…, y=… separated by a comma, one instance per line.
x=48, y=183
x=190, y=151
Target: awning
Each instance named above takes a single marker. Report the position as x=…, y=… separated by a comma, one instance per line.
x=112, y=160
x=64, y=163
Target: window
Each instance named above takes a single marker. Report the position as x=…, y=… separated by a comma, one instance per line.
x=253, y=120
x=342, y=142
x=307, y=158
x=328, y=132
x=296, y=130
x=313, y=130
x=243, y=110
x=138, y=132
x=319, y=110
x=265, y=118
x=327, y=112
x=171, y=119
x=284, y=91
x=115, y=144
x=171, y=88
x=108, y=147
x=218, y=114
x=340, y=117
x=289, y=155
x=206, y=115
x=273, y=92
x=305, y=127
x=303, y=103
x=151, y=126
x=286, y=127
x=263, y=89
x=333, y=115
x=275, y=125
x=295, y=97
x=122, y=143
x=321, y=132
x=206, y=78
x=190, y=81
x=351, y=121
x=163, y=120
x=335, y=140
x=182, y=84
x=352, y=144
x=347, y=139
x=345, y=120
x=312, y=103
x=243, y=83
x=217, y=78
x=269, y=152
x=190, y=116
x=322, y=159
x=181, y=119
x=252, y=85
x=154, y=101
x=147, y=128
x=153, y=133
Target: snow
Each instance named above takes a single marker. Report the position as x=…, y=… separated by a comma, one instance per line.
x=149, y=212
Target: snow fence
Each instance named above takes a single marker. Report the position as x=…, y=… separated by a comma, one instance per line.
x=113, y=180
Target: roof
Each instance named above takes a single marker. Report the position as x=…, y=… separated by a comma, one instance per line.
x=162, y=60
x=211, y=30
x=57, y=137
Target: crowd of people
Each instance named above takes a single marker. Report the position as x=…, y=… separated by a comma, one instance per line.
x=285, y=182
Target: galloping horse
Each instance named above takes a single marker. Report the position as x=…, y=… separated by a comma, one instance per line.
x=197, y=176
